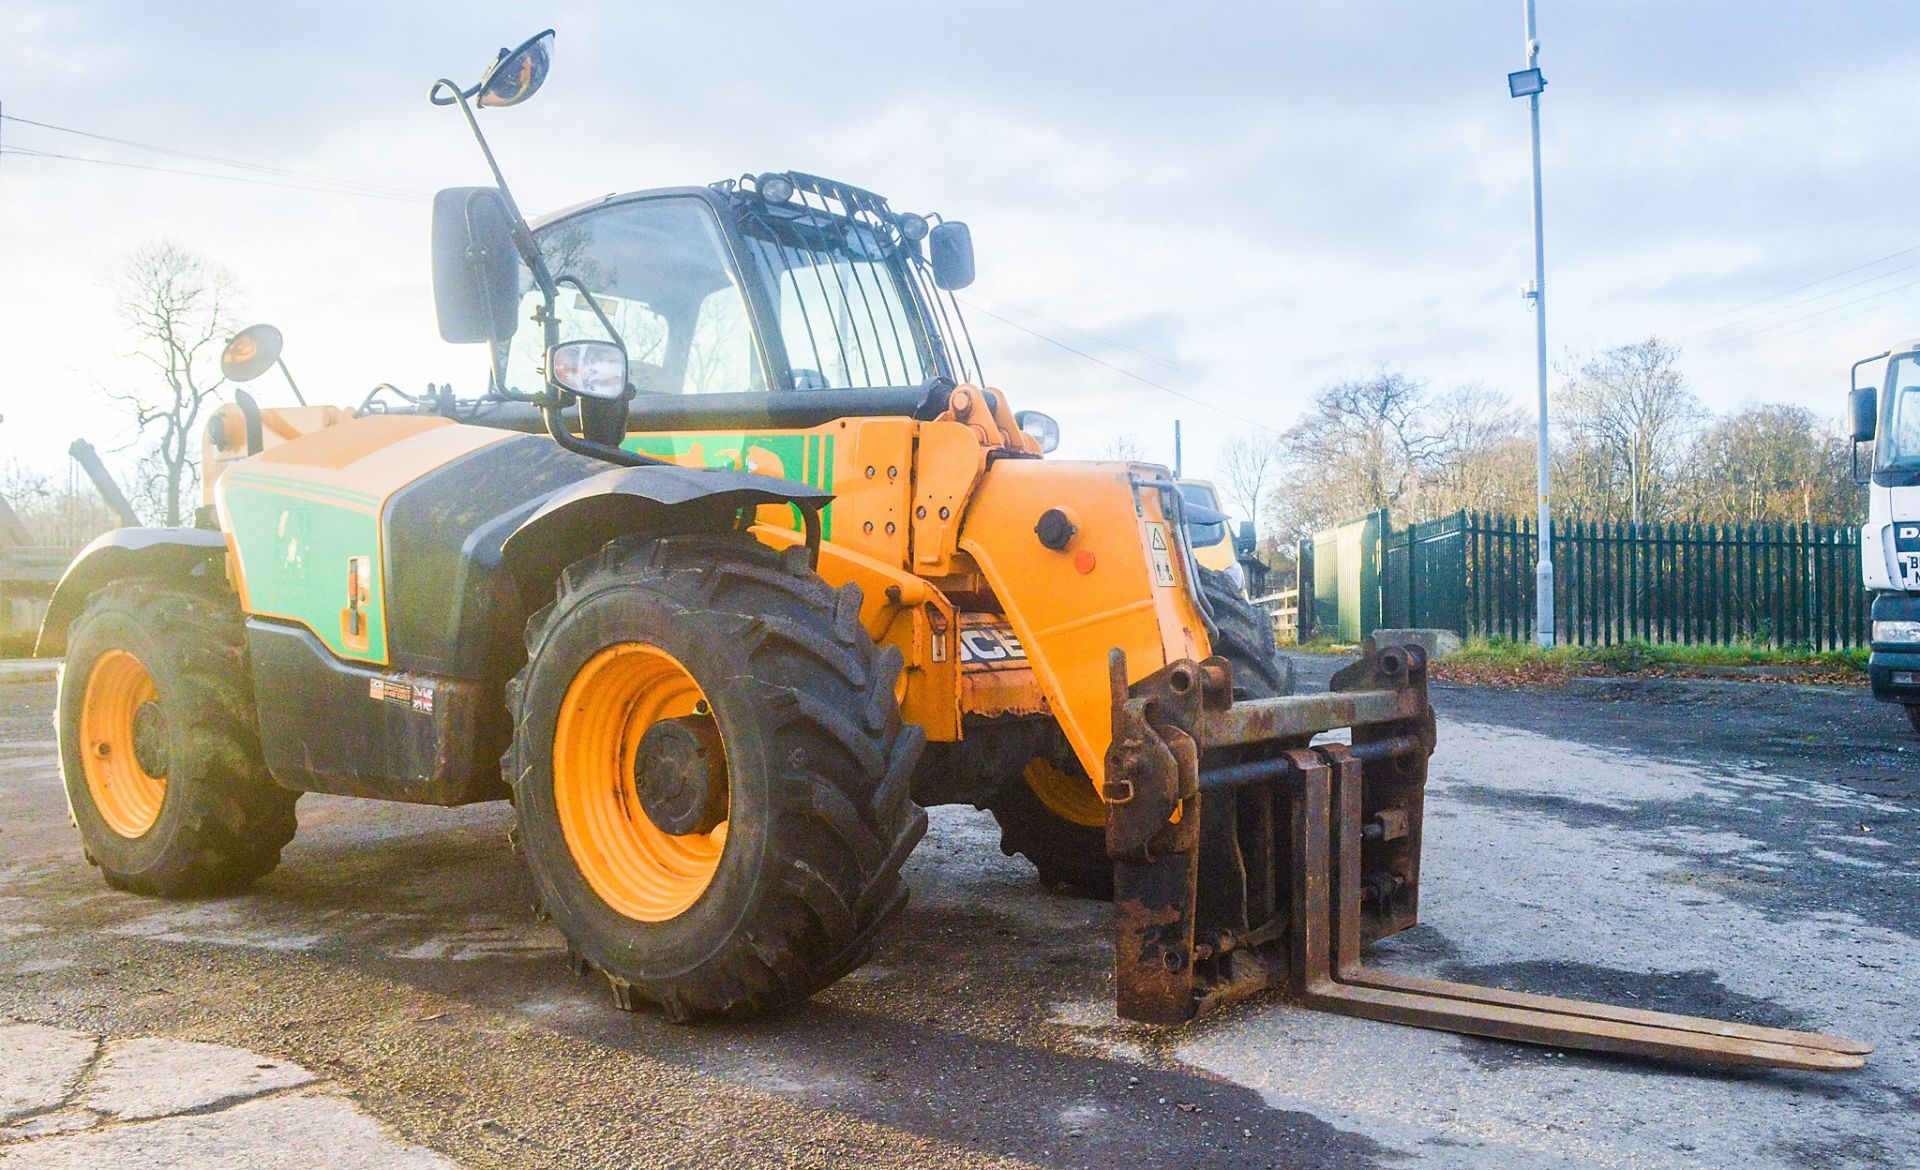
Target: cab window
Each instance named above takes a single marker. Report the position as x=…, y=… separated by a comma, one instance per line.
x=1203, y=535
x=658, y=269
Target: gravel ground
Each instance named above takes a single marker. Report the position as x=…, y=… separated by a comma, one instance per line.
x=1735, y=849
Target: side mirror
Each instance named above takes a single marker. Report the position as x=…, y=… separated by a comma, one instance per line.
x=1245, y=544
x=595, y=372
x=515, y=75
x=1041, y=427
x=518, y=73
x=250, y=353
x=589, y=369
x=950, y=247
x=1863, y=408
x=476, y=269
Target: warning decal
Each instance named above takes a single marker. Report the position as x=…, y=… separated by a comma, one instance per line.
x=1162, y=555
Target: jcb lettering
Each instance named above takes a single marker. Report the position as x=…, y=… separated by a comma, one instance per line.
x=990, y=645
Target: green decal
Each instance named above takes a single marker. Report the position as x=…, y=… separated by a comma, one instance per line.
x=294, y=541
x=806, y=458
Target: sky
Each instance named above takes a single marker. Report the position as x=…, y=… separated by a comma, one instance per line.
x=1240, y=202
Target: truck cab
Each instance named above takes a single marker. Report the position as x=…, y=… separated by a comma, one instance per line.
x=1888, y=417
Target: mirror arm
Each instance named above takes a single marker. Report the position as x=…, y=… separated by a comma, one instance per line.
x=593, y=303
x=557, y=427
x=516, y=222
x=1854, y=374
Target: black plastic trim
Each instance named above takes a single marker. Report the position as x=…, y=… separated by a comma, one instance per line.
x=124, y=552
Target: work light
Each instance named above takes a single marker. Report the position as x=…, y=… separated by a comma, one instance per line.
x=775, y=188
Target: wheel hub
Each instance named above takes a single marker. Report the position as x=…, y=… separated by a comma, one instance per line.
x=150, y=739
x=679, y=772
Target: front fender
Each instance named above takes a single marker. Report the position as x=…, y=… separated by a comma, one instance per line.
x=659, y=498
x=125, y=552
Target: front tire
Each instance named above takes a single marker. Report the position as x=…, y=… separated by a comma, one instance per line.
x=159, y=744
x=1052, y=816
x=711, y=774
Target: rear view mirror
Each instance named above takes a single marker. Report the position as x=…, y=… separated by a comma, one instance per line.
x=951, y=249
x=1245, y=543
x=1862, y=412
x=518, y=73
x=589, y=369
x=476, y=269
x=250, y=353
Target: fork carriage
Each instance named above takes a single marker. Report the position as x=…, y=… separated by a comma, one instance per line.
x=1246, y=857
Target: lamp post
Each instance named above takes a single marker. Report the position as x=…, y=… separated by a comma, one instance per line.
x=1528, y=83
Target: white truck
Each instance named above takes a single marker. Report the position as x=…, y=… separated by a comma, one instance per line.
x=1888, y=416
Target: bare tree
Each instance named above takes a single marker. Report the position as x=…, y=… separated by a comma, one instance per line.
x=1124, y=447
x=1629, y=417
x=175, y=305
x=1362, y=446
x=1249, y=468
x=51, y=512
x=1772, y=463
x=1482, y=459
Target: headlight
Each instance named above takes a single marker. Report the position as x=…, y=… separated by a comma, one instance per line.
x=591, y=369
x=1237, y=573
x=1896, y=631
x=1041, y=427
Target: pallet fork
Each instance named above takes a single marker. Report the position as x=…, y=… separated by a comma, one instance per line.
x=1247, y=858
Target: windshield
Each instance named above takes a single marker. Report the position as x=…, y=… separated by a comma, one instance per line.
x=1202, y=495
x=658, y=269
x=843, y=311
x=1897, y=444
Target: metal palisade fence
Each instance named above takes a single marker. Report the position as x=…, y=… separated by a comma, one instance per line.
x=1775, y=584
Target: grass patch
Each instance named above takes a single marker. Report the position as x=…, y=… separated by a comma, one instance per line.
x=1504, y=661
x=1321, y=644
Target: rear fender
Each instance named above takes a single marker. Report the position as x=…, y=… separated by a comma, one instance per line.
x=166, y=553
x=1120, y=581
x=657, y=499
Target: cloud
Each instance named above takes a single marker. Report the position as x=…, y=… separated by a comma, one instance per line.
x=1279, y=196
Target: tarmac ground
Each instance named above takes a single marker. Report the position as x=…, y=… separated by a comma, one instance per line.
x=1735, y=849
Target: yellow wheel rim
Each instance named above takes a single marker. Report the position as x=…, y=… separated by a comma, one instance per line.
x=126, y=796
x=637, y=868
x=1067, y=796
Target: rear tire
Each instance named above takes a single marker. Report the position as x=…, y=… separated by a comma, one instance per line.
x=777, y=881
x=1052, y=828
x=159, y=744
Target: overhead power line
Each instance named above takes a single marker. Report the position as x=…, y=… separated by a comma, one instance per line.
x=1685, y=326
x=1090, y=335
x=1755, y=318
x=1121, y=370
x=1811, y=324
x=1811, y=318
x=28, y=152
x=306, y=180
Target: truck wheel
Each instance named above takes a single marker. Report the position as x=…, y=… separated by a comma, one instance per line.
x=159, y=745
x=1056, y=819
x=711, y=774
